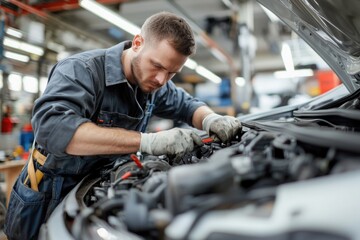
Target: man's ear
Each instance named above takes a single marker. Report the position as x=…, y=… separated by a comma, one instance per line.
x=137, y=42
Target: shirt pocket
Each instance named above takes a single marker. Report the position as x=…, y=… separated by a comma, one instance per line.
x=26, y=210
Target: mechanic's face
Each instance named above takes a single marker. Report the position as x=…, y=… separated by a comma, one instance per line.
x=154, y=63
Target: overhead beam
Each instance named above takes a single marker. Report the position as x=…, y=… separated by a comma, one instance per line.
x=47, y=17
x=68, y=5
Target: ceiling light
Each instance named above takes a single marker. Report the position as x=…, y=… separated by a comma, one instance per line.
x=190, y=64
x=26, y=47
x=240, y=81
x=294, y=74
x=32, y=49
x=227, y=3
x=14, y=32
x=110, y=16
x=217, y=54
x=16, y=56
x=208, y=74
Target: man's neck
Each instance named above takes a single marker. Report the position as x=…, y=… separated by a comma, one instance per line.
x=125, y=60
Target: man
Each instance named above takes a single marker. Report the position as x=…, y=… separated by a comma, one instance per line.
x=96, y=106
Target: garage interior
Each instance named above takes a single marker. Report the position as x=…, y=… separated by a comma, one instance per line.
x=247, y=60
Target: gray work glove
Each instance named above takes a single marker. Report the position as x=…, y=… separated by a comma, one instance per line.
x=173, y=143
x=223, y=127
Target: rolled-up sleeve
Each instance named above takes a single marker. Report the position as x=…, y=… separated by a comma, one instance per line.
x=174, y=103
x=68, y=101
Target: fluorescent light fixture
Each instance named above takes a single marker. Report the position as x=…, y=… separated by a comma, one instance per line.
x=227, y=3
x=110, y=16
x=217, y=54
x=15, y=82
x=14, y=32
x=16, y=56
x=31, y=84
x=208, y=74
x=294, y=74
x=190, y=64
x=287, y=57
x=26, y=47
x=240, y=81
x=31, y=49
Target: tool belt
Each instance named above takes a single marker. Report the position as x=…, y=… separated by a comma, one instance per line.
x=35, y=175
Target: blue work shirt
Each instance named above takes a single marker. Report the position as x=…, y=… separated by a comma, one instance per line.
x=91, y=86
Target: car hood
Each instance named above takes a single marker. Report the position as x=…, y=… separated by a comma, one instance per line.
x=331, y=28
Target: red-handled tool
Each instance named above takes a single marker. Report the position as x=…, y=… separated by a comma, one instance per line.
x=126, y=175
x=137, y=161
x=207, y=140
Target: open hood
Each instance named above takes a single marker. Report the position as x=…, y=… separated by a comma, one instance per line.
x=331, y=28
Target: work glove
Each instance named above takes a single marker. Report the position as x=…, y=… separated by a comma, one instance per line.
x=224, y=128
x=173, y=143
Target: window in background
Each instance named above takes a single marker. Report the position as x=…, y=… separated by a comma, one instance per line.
x=31, y=84
x=15, y=83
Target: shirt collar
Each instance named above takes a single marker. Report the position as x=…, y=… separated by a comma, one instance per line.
x=114, y=73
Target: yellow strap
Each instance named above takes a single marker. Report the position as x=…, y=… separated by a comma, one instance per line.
x=39, y=175
x=35, y=176
x=40, y=158
x=32, y=174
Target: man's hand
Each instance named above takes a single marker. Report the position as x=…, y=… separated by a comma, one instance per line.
x=224, y=127
x=174, y=143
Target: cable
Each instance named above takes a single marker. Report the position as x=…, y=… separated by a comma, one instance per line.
x=319, y=120
x=123, y=177
x=143, y=171
x=140, y=172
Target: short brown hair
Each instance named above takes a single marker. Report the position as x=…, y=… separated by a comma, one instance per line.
x=176, y=30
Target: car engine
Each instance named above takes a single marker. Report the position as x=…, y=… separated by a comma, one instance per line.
x=227, y=191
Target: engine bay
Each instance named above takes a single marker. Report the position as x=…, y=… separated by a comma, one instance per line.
x=156, y=197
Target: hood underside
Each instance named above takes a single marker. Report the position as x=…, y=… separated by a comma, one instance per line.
x=331, y=28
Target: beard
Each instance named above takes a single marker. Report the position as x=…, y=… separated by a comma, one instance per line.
x=137, y=75
x=135, y=70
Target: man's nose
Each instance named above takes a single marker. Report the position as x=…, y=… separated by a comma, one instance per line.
x=161, y=77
